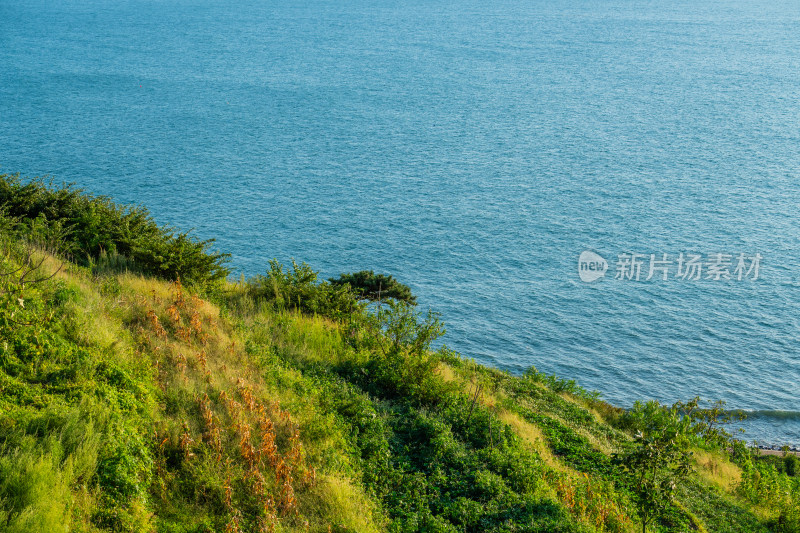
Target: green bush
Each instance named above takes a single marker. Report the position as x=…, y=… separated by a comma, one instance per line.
x=403, y=365
x=658, y=459
x=375, y=287
x=791, y=465
x=95, y=231
x=299, y=289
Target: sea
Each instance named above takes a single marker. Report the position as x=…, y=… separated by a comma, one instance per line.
x=474, y=150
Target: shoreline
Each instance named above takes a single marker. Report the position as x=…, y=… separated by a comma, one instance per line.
x=777, y=452
x=771, y=450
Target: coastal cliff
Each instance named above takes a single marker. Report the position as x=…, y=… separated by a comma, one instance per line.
x=143, y=390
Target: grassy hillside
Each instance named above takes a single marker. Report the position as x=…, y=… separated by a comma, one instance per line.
x=132, y=402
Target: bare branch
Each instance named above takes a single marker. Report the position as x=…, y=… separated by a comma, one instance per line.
x=51, y=276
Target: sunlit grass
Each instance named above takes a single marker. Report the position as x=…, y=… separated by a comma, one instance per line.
x=158, y=409
x=716, y=469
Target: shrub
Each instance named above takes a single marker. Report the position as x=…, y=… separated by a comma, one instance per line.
x=791, y=465
x=405, y=365
x=93, y=229
x=375, y=287
x=658, y=458
x=299, y=289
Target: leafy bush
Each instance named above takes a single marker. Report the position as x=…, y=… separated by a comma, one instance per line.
x=658, y=458
x=299, y=289
x=402, y=364
x=93, y=228
x=791, y=465
x=370, y=286
x=708, y=424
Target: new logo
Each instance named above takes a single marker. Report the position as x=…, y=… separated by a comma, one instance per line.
x=591, y=266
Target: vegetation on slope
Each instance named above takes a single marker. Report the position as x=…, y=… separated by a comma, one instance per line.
x=134, y=403
x=94, y=231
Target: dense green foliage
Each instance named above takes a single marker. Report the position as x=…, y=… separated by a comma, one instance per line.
x=657, y=459
x=72, y=413
x=370, y=286
x=96, y=231
x=298, y=289
x=129, y=404
x=436, y=459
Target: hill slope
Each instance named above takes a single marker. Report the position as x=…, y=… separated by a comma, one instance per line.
x=129, y=402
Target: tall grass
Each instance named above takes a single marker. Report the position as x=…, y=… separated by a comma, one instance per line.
x=45, y=458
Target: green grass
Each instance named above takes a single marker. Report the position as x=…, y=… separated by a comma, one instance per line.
x=129, y=402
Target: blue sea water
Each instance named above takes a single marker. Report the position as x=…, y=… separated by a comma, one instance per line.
x=472, y=149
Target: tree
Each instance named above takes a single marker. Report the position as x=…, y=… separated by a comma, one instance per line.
x=370, y=286
x=658, y=458
x=298, y=289
x=14, y=278
x=709, y=423
x=403, y=364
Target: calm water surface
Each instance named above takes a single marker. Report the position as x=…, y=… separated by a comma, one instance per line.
x=472, y=150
